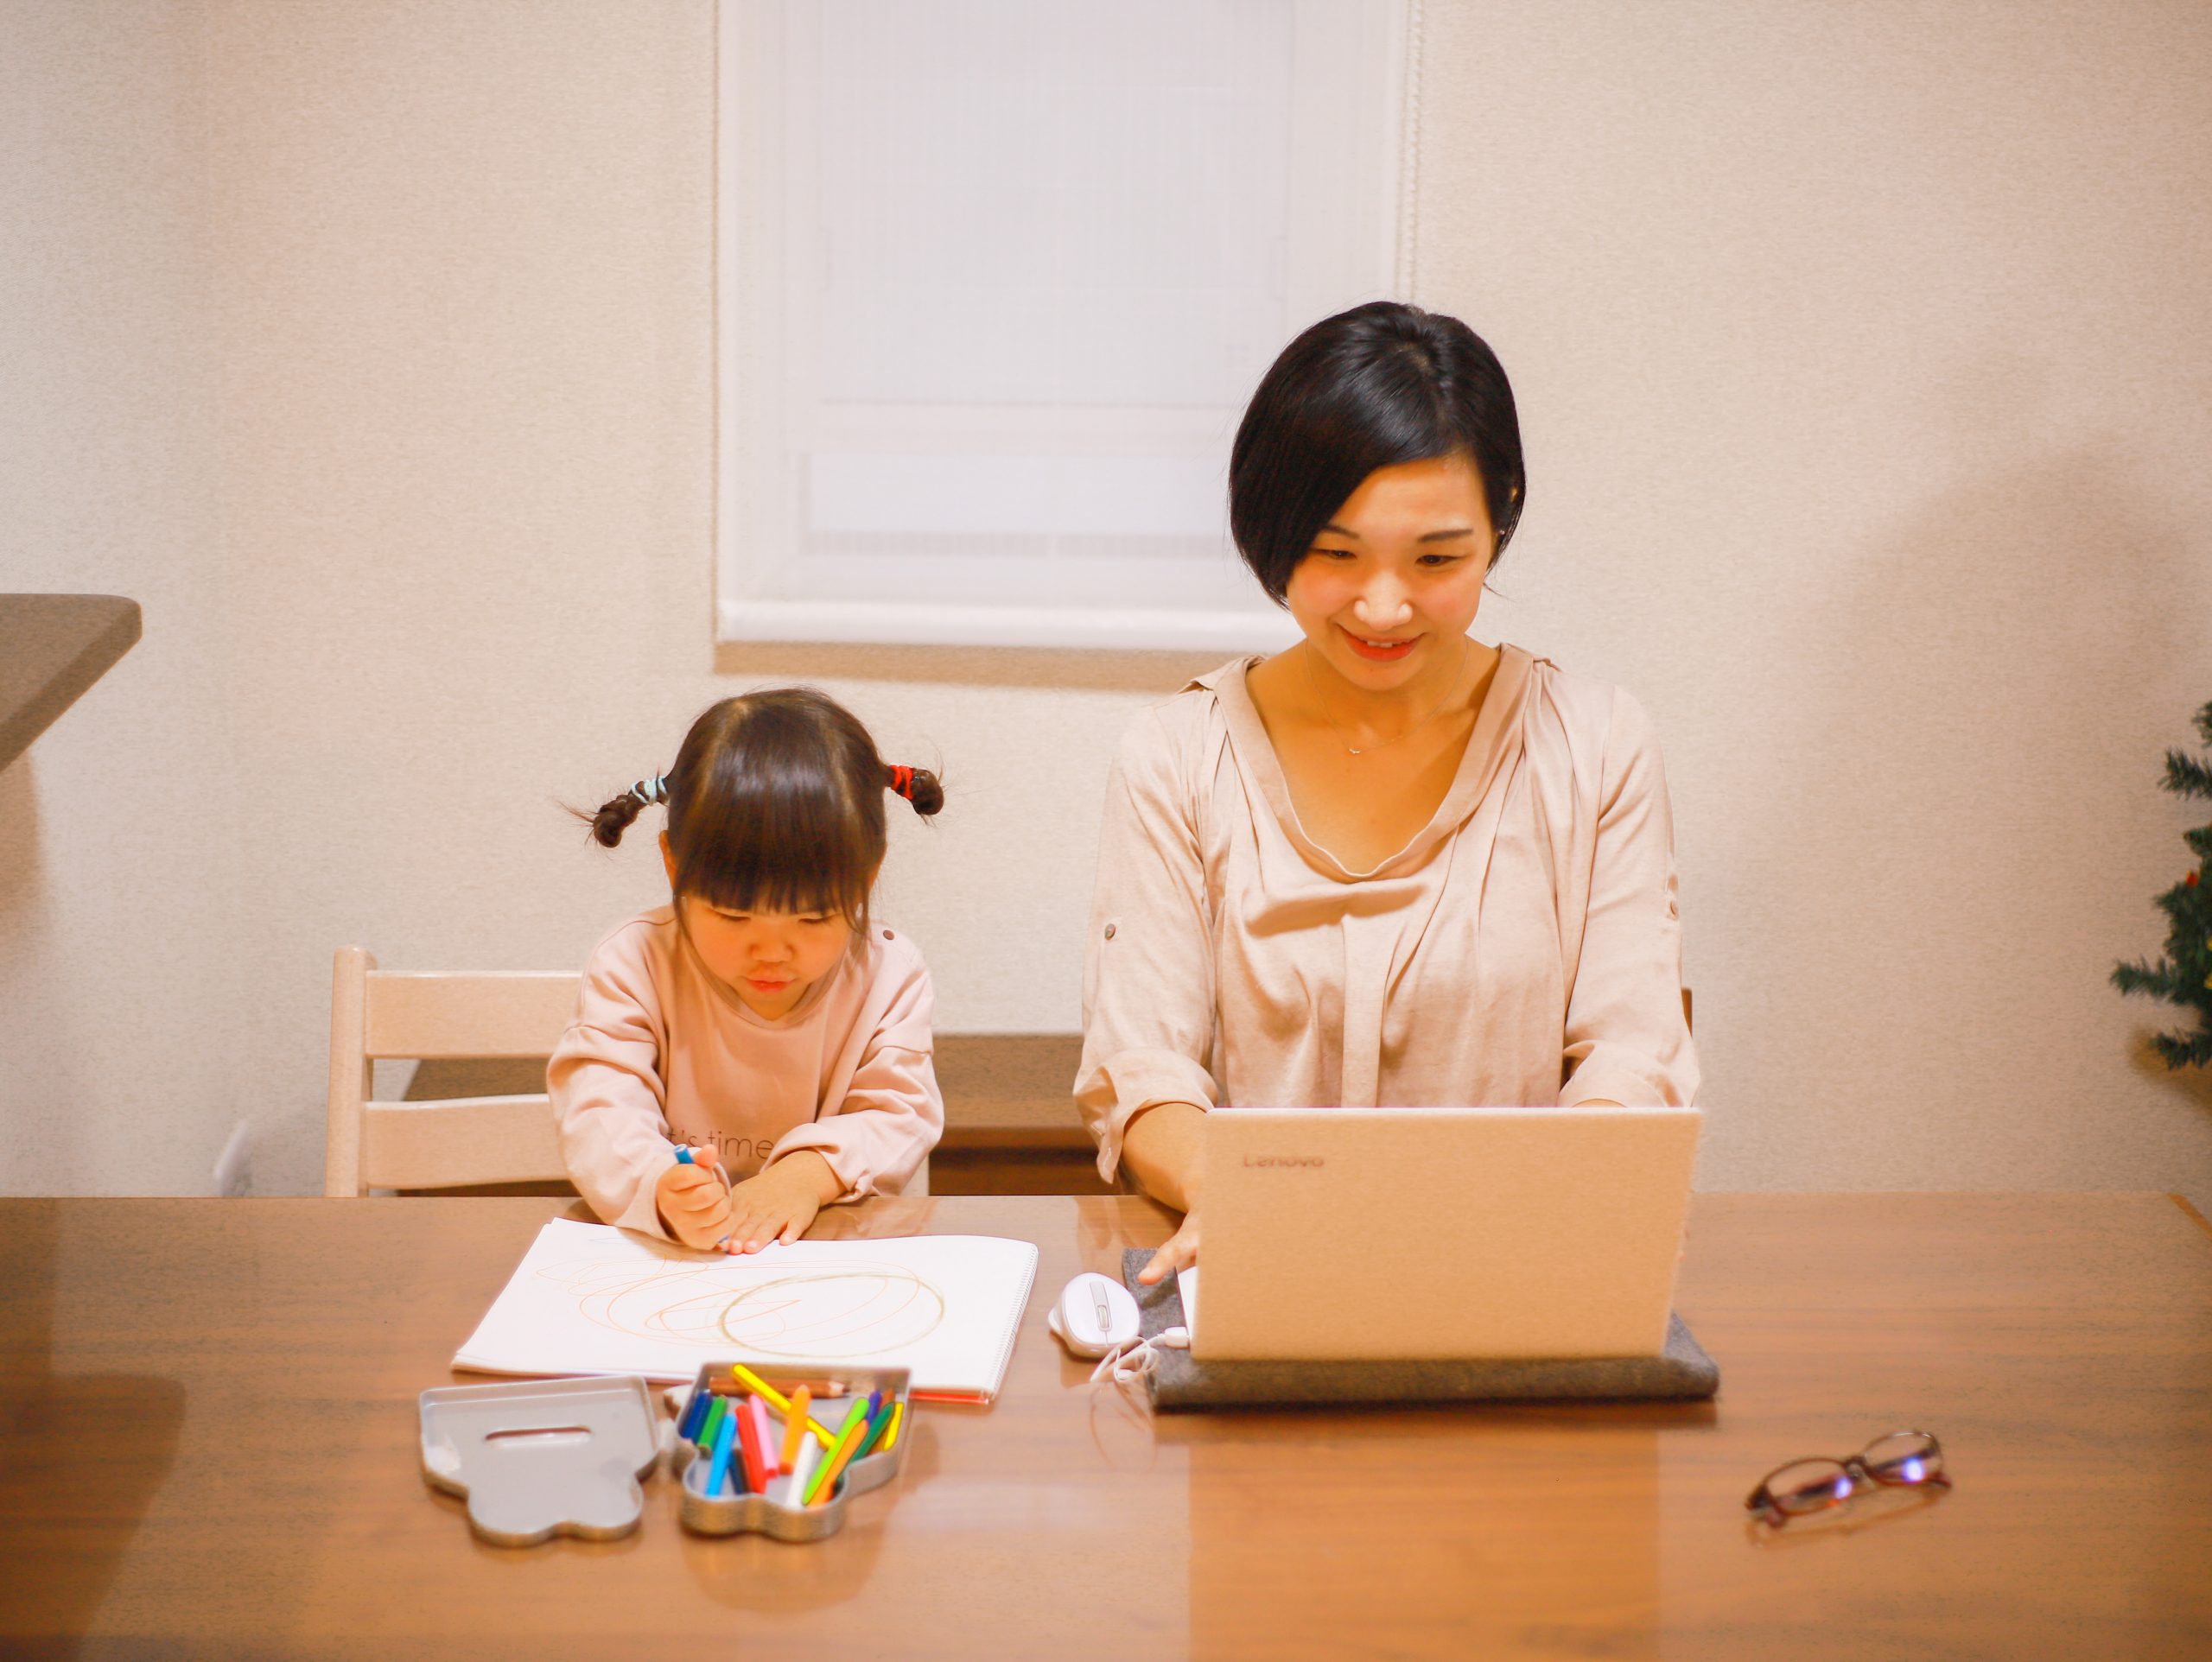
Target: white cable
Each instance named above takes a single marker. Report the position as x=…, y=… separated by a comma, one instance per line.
x=1134, y=1361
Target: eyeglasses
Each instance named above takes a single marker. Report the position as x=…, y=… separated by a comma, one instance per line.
x=1901, y=1460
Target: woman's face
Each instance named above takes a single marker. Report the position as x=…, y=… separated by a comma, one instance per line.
x=1394, y=579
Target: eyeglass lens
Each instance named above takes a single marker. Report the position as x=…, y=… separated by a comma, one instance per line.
x=1904, y=1458
x=1809, y=1484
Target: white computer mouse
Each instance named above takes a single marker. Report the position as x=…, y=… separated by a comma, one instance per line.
x=1096, y=1315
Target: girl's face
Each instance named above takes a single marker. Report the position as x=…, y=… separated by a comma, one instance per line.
x=1394, y=579
x=768, y=959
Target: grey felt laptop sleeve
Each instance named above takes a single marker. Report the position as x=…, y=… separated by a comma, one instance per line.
x=1681, y=1371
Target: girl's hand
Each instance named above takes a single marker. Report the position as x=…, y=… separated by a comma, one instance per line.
x=693, y=1204
x=1181, y=1252
x=776, y=1206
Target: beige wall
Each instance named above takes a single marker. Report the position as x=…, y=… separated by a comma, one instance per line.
x=1862, y=366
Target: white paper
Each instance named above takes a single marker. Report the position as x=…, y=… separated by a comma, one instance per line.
x=588, y=1299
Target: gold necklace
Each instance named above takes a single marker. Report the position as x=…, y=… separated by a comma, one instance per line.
x=1351, y=749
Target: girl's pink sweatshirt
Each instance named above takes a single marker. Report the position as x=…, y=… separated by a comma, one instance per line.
x=661, y=1051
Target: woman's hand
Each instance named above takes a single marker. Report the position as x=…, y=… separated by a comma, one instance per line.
x=1164, y=1148
x=693, y=1203
x=1181, y=1252
x=778, y=1206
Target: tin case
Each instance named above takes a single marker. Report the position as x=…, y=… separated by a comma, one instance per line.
x=733, y=1514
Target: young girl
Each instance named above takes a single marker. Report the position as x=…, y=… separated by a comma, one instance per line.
x=758, y=1021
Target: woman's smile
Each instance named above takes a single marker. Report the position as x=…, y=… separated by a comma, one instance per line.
x=1381, y=649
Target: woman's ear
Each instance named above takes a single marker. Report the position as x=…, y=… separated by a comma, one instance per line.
x=668, y=861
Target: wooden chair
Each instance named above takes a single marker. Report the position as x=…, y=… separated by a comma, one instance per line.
x=381, y=1014
x=387, y=1015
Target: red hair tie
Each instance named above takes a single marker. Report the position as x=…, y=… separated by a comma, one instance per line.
x=902, y=781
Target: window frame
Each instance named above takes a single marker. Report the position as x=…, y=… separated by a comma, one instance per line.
x=748, y=365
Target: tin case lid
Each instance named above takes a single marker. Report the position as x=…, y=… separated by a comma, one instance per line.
x=537, y=1458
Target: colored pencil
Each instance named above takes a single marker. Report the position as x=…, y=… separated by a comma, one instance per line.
x=802, y=1471
x=878, y=1429
x=848, y=1437
x=695, y=1413
x=795, y=1425
x=849, y=1451
x=752, y=1381
x=780, y=1403
x=763, y=1430
x=748, y=1447
x=718, y=1468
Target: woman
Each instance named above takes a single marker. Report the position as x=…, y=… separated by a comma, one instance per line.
x=1391, y=864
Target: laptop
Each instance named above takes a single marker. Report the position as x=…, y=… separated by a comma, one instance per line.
x=1447, y=1233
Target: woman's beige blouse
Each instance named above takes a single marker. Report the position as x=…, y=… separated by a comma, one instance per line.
x=1525, y=947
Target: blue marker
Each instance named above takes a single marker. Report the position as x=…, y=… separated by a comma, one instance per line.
x=684, y=1157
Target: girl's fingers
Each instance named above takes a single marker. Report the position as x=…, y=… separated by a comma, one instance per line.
x=701, y=1203
x=758, y=1218
x=763, y=1229
x=698, y=1218
x=689, y=1182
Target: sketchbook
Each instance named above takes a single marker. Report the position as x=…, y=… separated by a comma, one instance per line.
x=589, y=1298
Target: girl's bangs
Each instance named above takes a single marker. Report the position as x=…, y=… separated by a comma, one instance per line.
x=795, y=851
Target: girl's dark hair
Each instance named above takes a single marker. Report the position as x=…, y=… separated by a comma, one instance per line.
x=1378, y=385
x=775, y=804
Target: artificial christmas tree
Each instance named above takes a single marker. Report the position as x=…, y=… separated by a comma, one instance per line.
x=2184, y=976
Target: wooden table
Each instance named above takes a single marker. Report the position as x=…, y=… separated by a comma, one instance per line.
x=210, y=1449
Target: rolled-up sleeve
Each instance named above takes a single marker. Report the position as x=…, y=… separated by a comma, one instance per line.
x=609, y=1105
x=1627, y=1039
x=1147, y=975
x=893, y=1113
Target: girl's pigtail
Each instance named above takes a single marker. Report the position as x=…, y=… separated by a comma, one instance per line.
x=918, y=785
x=616, y=813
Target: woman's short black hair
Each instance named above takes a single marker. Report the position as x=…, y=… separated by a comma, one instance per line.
x=1380, y=384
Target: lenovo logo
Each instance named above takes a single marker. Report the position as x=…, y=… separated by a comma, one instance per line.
x=1286, y=1159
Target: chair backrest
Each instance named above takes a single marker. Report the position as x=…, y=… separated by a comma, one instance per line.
x=379, y=1014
